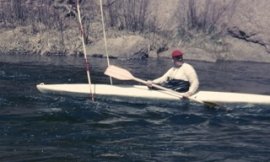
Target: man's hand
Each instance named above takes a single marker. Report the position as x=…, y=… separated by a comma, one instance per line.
x=149, y=83
x=187, y=94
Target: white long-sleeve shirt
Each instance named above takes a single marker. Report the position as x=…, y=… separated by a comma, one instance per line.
x=185, y=72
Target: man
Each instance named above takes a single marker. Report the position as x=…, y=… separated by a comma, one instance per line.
x=181, y=77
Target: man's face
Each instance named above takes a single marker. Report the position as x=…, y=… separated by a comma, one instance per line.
x=178, y=61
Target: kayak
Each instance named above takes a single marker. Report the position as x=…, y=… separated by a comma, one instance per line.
x=139, y=92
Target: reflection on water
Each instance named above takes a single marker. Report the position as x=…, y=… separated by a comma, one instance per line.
x=38, y=127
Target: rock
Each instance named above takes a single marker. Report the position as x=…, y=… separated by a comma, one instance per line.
x=246, y=21
x=131, y=46
x=246, y=51
x=191, y=54
x=251, y=23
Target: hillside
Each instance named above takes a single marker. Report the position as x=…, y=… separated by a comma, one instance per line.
x=206, y=30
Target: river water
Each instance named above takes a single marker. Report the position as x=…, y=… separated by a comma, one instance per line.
x=36, y=127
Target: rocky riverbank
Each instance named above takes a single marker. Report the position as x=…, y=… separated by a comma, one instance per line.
x=239, y=31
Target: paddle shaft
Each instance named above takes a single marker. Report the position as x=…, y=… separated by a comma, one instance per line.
x=123, y=74
x=174, y=93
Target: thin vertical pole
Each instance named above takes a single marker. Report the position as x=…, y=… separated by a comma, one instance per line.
x=84, y=50
x=104, y=36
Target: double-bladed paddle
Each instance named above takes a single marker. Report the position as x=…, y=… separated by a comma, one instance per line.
x=123, y=74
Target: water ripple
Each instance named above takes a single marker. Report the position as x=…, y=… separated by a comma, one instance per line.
x=40, y=127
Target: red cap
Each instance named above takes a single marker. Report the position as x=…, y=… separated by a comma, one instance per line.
x=177, y=53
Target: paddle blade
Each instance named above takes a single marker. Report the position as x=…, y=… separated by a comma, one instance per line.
x=118, y=73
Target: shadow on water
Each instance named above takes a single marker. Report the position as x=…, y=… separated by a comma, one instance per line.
x=39, y=127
